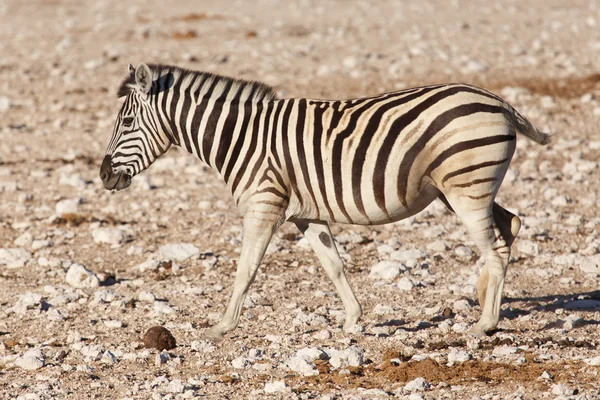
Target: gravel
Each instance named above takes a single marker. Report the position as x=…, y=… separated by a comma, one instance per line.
x=84, y=272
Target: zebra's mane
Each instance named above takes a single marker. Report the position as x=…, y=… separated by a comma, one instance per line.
x=240, y=89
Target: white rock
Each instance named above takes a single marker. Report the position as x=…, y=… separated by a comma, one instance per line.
x=561, y=389
x=405, y=283
x=474, y=66
x=108, y=358
x=178, y=251
x=528, y=247
x=276, y=387
x=410, y=258
x=458, y=356
x=146, y=296
x=504, y=350
x=31, y=360
x=162, y=307
x=113, y=323
x=463, y=252
x=55, y=315
x=387, y=270
x=14, y=257
x=461, y=305
x=80, y=277
x=313, y=353
x=593, y=361
x=24, y=240
x=417, y=385
x=302, y=365
x=92, y=352
x=350, y=357
x=546, y=375
x=241, y=363
x=5, y=103
x=39, y=244
x=27, y=301
x=203, y=346
x=112, y=236
x=67, y=206
x=572, y=322
x=176, y=386
x=589, y=265
x=322, y=335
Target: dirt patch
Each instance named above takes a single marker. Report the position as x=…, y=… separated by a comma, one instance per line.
x=390, y=374
x=568, y=88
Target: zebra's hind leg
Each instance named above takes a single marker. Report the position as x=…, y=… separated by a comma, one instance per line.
x=319, y=236
x=509, y=226
x=260, y=222
x=477, y=214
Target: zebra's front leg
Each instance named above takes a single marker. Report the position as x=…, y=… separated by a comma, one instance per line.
x=259, y=225
x=319, y=236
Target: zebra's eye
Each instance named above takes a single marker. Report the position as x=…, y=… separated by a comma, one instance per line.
x=127, y=121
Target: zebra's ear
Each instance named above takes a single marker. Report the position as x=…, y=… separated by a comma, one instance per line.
x=143, y=78
x=130, y=69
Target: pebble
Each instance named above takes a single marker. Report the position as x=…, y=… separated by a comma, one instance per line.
x=24, y=240
x=504, y=350
x=587, y=265
x=80, y=277
x=527, y=247
x=313, y=353
x=241, y=363
x=68, y=206
x=27, y=301
x=350, y=357
x=33, y=359
x=458, y=356
x=561, y=389
x=417, y=385
x=302, y=365
x=386, y=270
x=322, y=335
x=146, y=296
x=108, y=358
x=159, y=338
x=14, y=257
x=5, y=103
x=178, y=251
x=461, y=305
x=276, y=387
x=112, y=236
x=408, y=257
x=593, y=361
x=162, y=307
x=405, y=283
x=463, y=251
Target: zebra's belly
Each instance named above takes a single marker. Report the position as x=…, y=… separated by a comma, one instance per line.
x=373, y=214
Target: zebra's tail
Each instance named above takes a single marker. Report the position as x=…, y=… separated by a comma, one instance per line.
x=520, y=124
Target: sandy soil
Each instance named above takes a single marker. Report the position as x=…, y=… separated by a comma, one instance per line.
x=60, y=68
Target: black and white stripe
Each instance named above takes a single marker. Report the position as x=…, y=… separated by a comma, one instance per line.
x=363, y=161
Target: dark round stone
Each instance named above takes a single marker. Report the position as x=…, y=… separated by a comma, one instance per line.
x=159, y=338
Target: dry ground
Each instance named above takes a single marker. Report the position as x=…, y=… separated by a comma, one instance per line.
x=60, y=65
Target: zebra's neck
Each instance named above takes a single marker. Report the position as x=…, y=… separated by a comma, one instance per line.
x=208, y=115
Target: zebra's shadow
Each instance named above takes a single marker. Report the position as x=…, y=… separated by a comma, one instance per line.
x=586, y=302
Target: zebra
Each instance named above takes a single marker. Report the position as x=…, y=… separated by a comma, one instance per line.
x=370, y=160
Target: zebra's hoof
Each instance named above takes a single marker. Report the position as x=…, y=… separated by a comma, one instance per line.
x=213, y=334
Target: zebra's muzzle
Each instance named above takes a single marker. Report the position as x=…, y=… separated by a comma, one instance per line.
x=113, y=181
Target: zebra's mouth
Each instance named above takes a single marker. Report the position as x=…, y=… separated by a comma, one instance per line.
x=118, y=181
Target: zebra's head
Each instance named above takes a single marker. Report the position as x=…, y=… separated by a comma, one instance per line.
x=138, y=139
